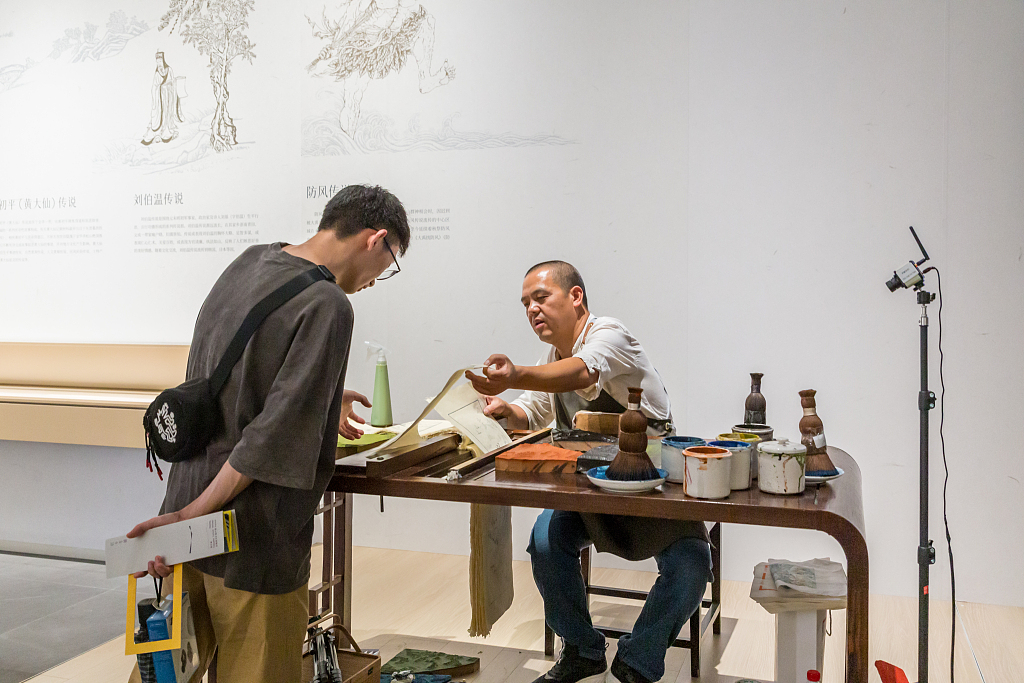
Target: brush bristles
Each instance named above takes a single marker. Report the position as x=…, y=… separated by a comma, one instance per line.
x=632, y=467
x=820, y=465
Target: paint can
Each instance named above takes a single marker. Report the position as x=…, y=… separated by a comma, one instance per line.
x=707, y=472
x=672, y=460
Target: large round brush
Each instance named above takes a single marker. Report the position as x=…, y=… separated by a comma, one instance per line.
x=632, y=463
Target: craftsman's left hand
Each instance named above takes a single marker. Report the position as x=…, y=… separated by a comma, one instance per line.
x=345, y=428
x=499, y=374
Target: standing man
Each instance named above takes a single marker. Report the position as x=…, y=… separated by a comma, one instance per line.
x=273, y=457
x=590, y=366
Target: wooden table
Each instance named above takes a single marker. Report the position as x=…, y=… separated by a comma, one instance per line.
x=835, y=508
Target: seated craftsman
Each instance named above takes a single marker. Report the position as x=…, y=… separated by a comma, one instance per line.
x=590, y=365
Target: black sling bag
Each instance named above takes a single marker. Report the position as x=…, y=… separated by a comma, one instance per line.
x=182, y=420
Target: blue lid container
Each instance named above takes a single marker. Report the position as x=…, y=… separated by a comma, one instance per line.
x=683, y=442
x=729, y=444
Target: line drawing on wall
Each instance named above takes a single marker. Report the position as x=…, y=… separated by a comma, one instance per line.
x=84, y=45
x=189, y=137
x=321, y=136
x=11, y=73
x=368, y=40
x=216, y=28
x=165, y=110
x=189, y=150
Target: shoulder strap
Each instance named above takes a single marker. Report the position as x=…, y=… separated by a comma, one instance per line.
x=256, y=316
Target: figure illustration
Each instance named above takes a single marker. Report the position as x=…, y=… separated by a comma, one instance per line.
x=370, y=40
x=165, y=112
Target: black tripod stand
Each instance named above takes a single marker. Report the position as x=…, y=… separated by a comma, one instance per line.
x=925, y=551
x=911, y=276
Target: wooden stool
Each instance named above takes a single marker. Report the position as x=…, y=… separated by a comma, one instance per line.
x=698, y=626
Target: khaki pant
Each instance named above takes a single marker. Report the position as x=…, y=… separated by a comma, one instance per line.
x=256, y=637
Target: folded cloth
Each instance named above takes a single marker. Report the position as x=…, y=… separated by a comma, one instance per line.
x=429, y=662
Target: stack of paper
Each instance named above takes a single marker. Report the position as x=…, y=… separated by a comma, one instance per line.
x=785, y=586
x=491, y=587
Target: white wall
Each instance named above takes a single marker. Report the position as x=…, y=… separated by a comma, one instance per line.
x=813, y=134
x=817, y=133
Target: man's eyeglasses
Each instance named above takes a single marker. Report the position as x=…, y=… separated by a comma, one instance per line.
x=390, y=272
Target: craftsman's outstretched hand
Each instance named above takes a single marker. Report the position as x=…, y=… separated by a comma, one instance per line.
x=500, y=373
x=345, y=428
x=157, y=567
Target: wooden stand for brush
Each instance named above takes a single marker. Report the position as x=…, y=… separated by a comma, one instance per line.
x=812, y=435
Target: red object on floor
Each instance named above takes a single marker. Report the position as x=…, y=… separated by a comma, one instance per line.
x=890, y=673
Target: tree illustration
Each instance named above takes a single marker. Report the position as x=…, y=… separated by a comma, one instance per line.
x=217, y=29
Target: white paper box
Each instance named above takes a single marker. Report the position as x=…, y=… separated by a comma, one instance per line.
x=192, y=539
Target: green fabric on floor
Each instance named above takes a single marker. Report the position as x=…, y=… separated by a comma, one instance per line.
x=426, y=661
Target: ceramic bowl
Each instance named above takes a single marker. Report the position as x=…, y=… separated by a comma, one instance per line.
x=598, y=477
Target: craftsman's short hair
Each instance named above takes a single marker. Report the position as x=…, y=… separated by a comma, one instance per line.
x=565, y=276
x=358, y=207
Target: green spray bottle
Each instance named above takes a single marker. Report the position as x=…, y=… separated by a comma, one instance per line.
x=380, y=414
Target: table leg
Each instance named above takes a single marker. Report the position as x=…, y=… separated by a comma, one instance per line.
x=856, y=607
x=342, y=591
x=716, y=569
x=334, y=592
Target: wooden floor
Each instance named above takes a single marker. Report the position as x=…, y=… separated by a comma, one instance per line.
x=421, y=600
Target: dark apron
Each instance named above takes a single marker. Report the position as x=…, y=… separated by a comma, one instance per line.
x=568, y=403
x=631, y=538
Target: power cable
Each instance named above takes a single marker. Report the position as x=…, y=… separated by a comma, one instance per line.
x=945, y=486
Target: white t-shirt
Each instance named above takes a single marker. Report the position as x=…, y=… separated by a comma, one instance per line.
x=620, y=361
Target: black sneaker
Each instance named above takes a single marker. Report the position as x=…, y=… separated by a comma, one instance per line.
x=624, y=673
x=572, y=668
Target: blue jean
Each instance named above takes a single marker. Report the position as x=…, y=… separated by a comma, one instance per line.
x=684, y=568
